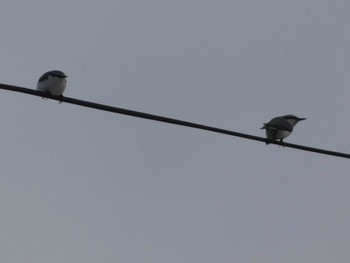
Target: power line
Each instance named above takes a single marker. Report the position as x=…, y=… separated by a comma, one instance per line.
x=166, y=120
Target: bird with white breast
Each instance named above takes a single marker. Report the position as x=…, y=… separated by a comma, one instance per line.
x=52, y=82
x=280, y=127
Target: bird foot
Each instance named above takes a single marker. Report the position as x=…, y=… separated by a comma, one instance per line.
x=45, y=97
x=281, y=143
x=61, y=99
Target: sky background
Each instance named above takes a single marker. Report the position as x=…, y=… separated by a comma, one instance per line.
x=82, y=185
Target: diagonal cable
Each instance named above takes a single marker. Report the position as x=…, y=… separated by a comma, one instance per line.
x=148, y=116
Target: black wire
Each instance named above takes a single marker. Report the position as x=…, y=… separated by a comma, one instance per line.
x=166, y=120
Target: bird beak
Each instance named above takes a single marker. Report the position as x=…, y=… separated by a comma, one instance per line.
x=301, y=119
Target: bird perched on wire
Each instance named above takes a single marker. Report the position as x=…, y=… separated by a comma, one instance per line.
x=280, y=127
x=52, y=82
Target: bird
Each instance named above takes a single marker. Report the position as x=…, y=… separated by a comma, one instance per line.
x=280, y=127
x=52, y=82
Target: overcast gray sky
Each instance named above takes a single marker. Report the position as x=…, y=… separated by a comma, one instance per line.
x=81, y=185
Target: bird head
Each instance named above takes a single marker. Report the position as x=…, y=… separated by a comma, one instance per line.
x=292, y=119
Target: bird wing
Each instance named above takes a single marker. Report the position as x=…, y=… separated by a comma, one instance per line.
x=278, y=123
x=44, y=76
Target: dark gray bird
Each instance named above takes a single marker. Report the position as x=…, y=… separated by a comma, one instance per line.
x=52, y=82
x=280, y=127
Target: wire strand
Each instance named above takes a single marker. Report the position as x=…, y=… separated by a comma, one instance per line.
x=167, y=120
